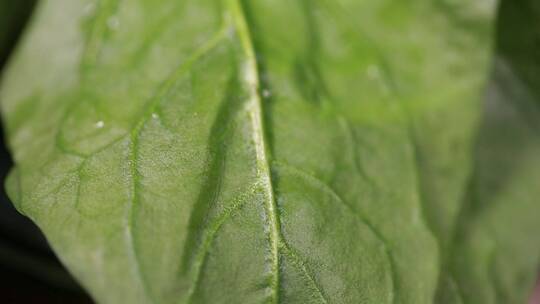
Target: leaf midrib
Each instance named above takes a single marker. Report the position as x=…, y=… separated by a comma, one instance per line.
x=255, y=110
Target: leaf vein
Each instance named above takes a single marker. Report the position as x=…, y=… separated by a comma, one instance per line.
x=252, y=81
x=214, y=228
x=300, y=263
x=330, y=191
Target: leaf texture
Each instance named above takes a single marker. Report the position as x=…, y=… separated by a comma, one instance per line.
x=204, y=151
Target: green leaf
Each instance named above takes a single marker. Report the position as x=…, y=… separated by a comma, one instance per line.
x=234, y=151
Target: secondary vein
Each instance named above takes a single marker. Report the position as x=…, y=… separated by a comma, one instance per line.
x=254, y=105
x=134, y=137
x=320, y=184
x=302, y=266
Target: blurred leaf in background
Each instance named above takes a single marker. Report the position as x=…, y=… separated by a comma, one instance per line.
x=497, y=248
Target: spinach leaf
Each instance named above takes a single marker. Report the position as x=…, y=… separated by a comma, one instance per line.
x=234, y=151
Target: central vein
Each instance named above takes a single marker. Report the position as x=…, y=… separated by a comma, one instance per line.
x=251, y=78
